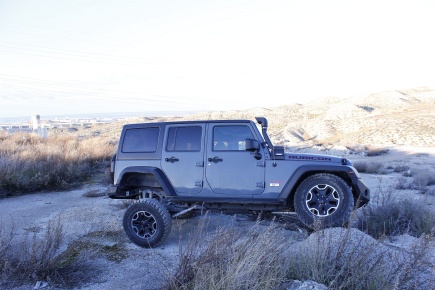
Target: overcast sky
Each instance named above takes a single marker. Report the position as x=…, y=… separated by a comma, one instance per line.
x=96, y=56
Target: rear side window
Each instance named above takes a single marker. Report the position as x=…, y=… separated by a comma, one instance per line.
x=184, y=138
x=140, y=140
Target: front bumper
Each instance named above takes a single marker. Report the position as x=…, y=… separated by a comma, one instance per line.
x=362, y=191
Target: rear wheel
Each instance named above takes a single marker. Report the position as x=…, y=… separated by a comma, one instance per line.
x=147, y=223
x=324, y=198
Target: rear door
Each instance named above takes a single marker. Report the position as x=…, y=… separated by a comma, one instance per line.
x=183, y=157
x=230, y=168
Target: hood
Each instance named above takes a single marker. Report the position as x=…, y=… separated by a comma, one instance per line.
x=316, y=158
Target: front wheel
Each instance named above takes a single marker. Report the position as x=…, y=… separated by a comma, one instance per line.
x=325, y=198
x=147, y=223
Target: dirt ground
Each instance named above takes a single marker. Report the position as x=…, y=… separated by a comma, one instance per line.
x=116, y=263
x=97, y=221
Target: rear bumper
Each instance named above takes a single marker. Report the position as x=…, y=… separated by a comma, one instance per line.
x=111, y=191
x=114, y=192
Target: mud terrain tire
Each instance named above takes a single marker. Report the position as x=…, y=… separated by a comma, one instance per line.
x=324, y=200
x=147, y=223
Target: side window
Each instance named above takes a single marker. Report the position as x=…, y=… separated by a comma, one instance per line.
x=140, y=140
x=231, y=138
x=184, y=138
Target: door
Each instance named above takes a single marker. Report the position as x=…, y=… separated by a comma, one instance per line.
x=230, y=169
x=183, y=157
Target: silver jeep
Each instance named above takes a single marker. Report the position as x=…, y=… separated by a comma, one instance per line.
x=176, y=168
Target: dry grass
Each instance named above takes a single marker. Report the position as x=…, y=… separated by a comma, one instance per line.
x=231, y=259
x=349, y=259
x=420, y=180
x=401, y=168
x=387, y=215
x=95, y=193
x=423, y=179
x=264, y=258
x=32, y=259
x=369, y=167
x=30, y=163
x=37, y=258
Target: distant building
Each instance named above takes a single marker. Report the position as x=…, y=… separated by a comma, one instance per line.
x=36, y=122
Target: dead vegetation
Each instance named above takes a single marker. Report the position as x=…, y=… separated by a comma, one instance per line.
x=29, y=163
x=264, y=257
x=388, y=215
x=38, y=259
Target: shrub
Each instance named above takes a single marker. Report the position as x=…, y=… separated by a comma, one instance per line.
x=401, y=168
x=367, y=150
x=336, y=260
x=370, y=168
x=403, y=183
x=30, y=163
x=231, y=259
x=94, y=193
x=388, y=215
x=422, y=179
x=349, y=259
x=34, y=259
x=263, y=258
x=37, y=258
x=375, y=151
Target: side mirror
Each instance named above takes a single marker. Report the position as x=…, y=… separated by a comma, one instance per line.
x=252, y=145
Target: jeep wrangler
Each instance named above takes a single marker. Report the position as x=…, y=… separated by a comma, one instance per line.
x=175, y=168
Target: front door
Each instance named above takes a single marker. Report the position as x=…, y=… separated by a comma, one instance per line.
x=183, y=157
x=230, y=169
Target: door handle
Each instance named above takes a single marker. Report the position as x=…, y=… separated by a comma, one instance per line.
x=172, y=159
x=215, y=159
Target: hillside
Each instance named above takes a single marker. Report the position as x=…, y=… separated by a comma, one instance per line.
x=388, y=118
x=384, y=119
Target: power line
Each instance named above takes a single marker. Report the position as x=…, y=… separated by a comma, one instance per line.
x=98, y=56
x=66, y=91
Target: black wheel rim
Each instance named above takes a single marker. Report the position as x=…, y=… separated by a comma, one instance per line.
x=322, y=200
x=144, y=224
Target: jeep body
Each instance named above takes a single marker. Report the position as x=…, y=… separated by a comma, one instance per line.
x=228, y=164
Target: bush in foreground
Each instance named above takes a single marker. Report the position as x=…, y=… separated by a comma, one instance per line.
x=231, y=259
x=31, y=259
x=264, y=258
x=37, y=258
x=349, y=259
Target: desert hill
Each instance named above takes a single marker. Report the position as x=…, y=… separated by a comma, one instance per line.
x=387, y=118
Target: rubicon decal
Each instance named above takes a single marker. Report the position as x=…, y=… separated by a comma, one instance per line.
x=313, y=158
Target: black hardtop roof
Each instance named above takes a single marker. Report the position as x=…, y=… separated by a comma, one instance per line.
x=186, y=122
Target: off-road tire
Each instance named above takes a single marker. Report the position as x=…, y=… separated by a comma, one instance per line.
x=323, y=200
x=147, y=223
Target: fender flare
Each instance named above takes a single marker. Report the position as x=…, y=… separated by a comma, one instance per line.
x=156, y=172
x=306, y=170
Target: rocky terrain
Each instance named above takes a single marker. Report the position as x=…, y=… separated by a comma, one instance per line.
x=398, y=126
